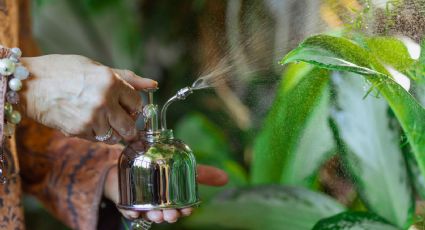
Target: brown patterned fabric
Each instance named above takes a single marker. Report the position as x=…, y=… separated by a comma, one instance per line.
x=11, y=212
x=65, y=174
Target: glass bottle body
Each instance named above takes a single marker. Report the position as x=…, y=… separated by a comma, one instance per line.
x=157, y=172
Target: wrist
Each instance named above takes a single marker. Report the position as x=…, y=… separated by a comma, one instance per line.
x=13, y=75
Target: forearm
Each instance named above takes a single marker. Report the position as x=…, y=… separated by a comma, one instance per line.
x=66, y=174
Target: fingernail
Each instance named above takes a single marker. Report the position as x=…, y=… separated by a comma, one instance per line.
x=172, y=221
x=186, y=213
x=155, y=217
x=149, y=81
x=134, y=215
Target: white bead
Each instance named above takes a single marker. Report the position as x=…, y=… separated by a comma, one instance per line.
x=15, y=84
x=15, y=117
x=14, y=59
x=16, y=52
x=21, y=73
x=7, y=67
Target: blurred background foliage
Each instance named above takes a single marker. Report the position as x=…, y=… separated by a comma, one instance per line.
x=303, y=128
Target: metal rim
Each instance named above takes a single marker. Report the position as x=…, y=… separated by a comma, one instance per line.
x=148, y=207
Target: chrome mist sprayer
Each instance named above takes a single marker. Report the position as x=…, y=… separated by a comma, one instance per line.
x=157, y=171
x=182, y=94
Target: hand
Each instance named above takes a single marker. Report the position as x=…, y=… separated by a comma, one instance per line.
x=207, y=175
x=81, y=97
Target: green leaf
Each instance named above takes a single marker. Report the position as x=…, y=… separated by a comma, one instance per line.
x=266, y=207
x=203, y=137
x=390, y=51
x=418, y=179
x=315, y=144
x=335, y=53
x=418, y=71
x=297, y=115
x=209, y=145
x=371, y=150
x=342, y=54
x=354, y=221
x=97, y=5
x=422, y=56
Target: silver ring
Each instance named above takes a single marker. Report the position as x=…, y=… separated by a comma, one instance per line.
x=106, y=136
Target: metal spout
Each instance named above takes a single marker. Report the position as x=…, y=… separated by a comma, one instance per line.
x=182, y=94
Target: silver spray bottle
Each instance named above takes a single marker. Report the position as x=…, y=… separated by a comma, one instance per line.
x=157, y=171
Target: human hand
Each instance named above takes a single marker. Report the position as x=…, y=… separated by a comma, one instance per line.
x=81, y=97
x=207, y=175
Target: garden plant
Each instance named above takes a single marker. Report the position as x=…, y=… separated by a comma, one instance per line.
x=341, y=147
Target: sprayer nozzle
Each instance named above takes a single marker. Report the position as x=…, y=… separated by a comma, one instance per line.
x=183, y=93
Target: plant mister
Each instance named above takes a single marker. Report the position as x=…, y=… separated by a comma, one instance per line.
x=157, y=171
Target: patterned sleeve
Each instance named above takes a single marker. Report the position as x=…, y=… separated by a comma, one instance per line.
x=66, y=174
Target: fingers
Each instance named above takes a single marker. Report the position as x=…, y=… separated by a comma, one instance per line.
x=131, y=215
x=101, y=127
x=130, y=100
x=136, y=81
x=121, y=122
x=211, y=176
x=171, y=215
x=186, y=211
x=158, y=216
x=115, y=138
x=155, y=216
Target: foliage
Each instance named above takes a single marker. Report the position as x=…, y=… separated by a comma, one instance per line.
x=267, y=207
x=296, y=115
x=354, y=220
x=372, y=152
x=210, y=147
x=366, y=136
x=338, y=97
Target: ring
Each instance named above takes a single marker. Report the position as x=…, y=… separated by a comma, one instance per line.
x=141, y=224
x=135, y=113
x=106, y=136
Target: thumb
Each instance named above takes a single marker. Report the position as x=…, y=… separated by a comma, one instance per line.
x=211, y=176
x=136, y=81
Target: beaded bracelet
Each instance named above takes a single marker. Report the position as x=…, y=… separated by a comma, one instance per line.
x=12, y=72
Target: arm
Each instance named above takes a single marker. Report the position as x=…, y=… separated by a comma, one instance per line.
x=70, y=176
x=66, y=174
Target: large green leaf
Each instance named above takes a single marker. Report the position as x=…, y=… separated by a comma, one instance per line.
x=390, y=51
x=354, y=221
x=290, y=132
x=266, y=207
x=336, y=53
x=372, y=151
x=210, y=145
x=418, y=179
x=418, y=73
